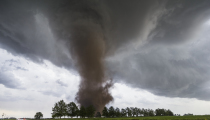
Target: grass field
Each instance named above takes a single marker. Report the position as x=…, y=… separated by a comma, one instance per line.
x=198, y=117
x=203, y=117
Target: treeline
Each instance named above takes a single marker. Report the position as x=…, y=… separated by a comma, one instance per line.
x=61, y=109
x=134, y=112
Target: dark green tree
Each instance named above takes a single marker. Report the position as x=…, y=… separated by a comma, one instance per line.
x=136, y=111
x=111, y=111
x=161, y=112
x=139, y=112
x=90, y=110
x=123, y=112
x=169, y=113
x=59, y=109
x=117, y=112
x=151, y=112
x=157, y=112
x=142, y=112
x=129, y=113
x=133, y=111
x=82, y=112
x=77, y=111
x=38, y=115
x=145, y=112
x=105, y=112
x=71, y=109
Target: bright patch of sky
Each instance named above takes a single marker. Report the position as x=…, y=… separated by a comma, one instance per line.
x=37, y=88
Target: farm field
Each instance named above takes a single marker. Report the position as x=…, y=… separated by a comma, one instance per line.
x=199, y=117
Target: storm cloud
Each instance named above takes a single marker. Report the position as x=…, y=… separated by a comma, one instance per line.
x=8, y=80
x=157, y=45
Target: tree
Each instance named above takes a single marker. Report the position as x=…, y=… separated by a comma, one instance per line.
x=158, y=112
x=105, y=112
x=163, y=112
x=90, y=110
x=71, y=109
x=38, y=115
x=136, y=111
x=111, y=111
x=133, y=111
x=145, y=112
x=151, y=112
x=123, y=112
x=77, y=111
x=55, y=109
x=128, y=110
x=82, y=112
x=59, y=109
x=169, y=113
x=117, y=112
x=142, y=112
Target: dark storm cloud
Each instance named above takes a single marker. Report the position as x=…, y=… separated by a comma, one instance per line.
x=166, y=65
x=174, y=71
x=146, y=40
x=25, y=31
x=180, y=21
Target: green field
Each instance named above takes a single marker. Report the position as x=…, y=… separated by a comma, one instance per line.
x=203, y=117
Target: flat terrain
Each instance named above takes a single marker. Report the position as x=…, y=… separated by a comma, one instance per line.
x=198, y=117
x=202, y=117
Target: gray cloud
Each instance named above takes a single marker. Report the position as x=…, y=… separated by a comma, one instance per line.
x=11, y=61
x=180, y=21
x=21, y=68
x=173, y=71
x=12, y=64
x=8, y=80
x=32, y=39
x=61, y=83
x=51, y=92
x=147, y=42
x=12, y=98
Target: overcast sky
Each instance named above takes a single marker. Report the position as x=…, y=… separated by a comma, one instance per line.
x=157, y=53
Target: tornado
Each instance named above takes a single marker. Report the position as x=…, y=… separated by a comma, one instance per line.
x=88, y=47
x=84, y=27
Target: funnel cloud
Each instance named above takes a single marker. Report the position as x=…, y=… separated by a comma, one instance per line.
x=88, y=49
x=84, y=31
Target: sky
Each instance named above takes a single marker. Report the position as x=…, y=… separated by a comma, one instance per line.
x=156, y=53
